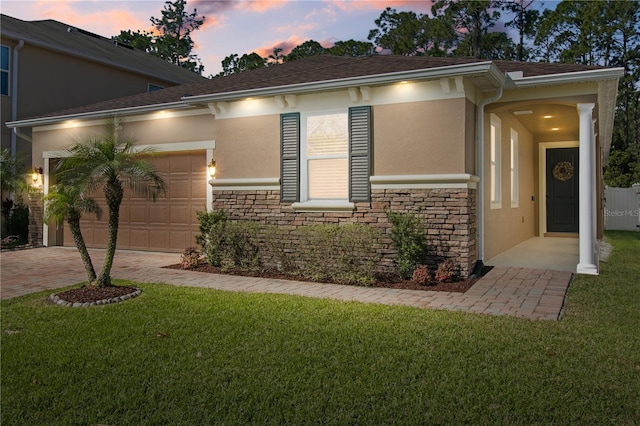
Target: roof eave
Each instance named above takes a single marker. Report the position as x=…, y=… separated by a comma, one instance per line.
x=474, y=69
x=571, y=77
x=43, y=121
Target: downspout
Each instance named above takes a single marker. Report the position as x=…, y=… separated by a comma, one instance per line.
x=14, y=94
x=480, y=170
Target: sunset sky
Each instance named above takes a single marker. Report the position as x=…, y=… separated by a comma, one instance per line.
x=239, y=26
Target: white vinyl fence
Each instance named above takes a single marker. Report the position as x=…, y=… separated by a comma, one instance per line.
x=622, y=208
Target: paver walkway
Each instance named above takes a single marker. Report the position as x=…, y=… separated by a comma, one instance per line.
x=528, y=293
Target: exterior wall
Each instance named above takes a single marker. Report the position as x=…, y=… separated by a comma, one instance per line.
x=151, y=129
x=449, y=214
x=248, y=147
x=508, y=226
x=420, y=137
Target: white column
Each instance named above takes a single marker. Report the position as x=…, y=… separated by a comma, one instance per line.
x=587, y=183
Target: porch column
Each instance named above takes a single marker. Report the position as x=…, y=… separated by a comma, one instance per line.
x=587, y=262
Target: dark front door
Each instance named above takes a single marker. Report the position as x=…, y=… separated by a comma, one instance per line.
x=562, y=190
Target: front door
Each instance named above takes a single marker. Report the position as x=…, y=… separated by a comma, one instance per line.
x=562, y=190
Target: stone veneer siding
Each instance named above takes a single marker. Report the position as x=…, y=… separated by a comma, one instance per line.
x=449, y=217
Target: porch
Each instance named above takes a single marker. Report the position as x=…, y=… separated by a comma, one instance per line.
x=555, y=253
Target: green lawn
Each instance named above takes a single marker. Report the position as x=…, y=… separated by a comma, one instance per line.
x=189, y=356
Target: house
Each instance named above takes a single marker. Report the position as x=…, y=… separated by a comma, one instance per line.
x=50, y=66
x=490, y=153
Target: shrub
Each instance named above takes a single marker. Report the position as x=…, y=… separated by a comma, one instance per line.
x=241, y=246
x=212, y=235
x=344, y=254
x=278, y=247
x=446, y=272
x=190, y=258
x=18, y=223
x=408, y=240
x=228, y=244
x=422, y=275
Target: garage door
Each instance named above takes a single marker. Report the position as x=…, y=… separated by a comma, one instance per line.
x=169, y=224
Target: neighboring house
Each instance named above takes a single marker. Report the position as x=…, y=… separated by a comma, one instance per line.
x=490, y=153
x=50, y=66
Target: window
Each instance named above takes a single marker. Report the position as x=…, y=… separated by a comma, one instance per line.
x=4, y=70
x=514, y=168
x=496, y=181
x=325, y=157
x=325, y=162
x=153, y=87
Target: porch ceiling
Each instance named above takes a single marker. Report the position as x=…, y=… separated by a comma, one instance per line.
x=548, y=121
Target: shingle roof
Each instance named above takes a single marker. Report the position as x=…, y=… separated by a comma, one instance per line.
x=77, y=42
x=314, y=69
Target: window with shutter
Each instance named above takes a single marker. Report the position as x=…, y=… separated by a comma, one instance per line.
x=326, y=156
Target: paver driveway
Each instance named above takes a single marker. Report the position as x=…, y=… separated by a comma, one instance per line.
x=529, y=293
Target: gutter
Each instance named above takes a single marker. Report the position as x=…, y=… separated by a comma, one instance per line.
x=572, y=77
x=480, y=168
x=14, y=94
x=97, y=114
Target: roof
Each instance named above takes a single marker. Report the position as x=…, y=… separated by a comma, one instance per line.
x=63, y=38
x=325, y=72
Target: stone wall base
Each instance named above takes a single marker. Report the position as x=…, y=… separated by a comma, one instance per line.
x=449, y=216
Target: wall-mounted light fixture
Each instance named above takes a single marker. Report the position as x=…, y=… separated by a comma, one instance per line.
x=212, y=169
x=36, y=177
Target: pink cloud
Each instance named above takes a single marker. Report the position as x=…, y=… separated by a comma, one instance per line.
x=208, y=7
x=352, y=5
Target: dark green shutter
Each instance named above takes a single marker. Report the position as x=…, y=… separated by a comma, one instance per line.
x=360, y=137
x=290, y=157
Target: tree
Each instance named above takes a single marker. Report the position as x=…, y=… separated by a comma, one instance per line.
x=305, y=50
x=351, y=48
x=140, y=40
x=492, y=46
x=525, y=22
x=233, y=64
x=112, y=163
x=69, y=202
x=470, y=18
x=400, y=32
x=276, y=57
x=174, y=42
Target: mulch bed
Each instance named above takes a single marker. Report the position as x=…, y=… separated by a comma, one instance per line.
x=92, y=294
x=383, y=281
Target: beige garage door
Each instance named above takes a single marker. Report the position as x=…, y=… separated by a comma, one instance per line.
x=169, y=224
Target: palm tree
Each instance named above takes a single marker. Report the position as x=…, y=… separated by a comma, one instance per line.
x=112, y=163
x=70, y=202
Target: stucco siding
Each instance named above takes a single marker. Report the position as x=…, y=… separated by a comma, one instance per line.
x=420, y=137
x=248, y=148
x=508, y=226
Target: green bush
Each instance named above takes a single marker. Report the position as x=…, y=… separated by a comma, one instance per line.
x=212, y=235
x=241, y=246
x=409, y=242
x=277, y=246
x=344, y=254
x=228, y=244
x=18, y=223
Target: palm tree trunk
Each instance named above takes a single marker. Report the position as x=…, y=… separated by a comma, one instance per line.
x=114, y=193
x=74, y=227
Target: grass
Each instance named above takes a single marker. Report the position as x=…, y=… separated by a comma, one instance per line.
x=186, y=356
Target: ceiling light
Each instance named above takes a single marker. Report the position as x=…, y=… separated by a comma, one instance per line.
x=555, y=129
x=547, y=116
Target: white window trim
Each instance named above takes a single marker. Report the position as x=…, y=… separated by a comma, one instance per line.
x=305, y=203
x=514, y=168
x=495, y=162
